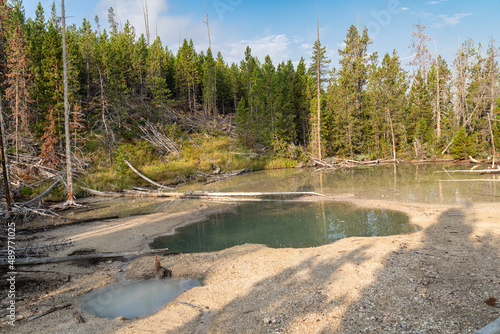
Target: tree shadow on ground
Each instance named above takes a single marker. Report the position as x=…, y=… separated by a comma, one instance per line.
x=439, y=287
x=379, y=285
x=292, y=295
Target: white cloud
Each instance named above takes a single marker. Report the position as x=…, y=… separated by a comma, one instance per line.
x=331, y=54
x=306, y=46
x=276, y=46
x=423, y=14
x=436, y=2
x=297, y=39
x=404, y=8
x=445, y=20
x=167, y=26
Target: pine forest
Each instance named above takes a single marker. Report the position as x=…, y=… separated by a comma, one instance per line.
x=178, y=115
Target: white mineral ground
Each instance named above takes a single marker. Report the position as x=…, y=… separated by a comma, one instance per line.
x=432, y=281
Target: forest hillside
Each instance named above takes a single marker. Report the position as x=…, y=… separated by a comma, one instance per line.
x=185, y=114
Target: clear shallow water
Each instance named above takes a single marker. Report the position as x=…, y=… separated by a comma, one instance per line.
x=422, y=183
x=134, y=299
x=284, y=224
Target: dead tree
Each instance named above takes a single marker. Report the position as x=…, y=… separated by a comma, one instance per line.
x=5, y=162
x=438, y=97
x=418, y=46
x=318, y=68
x=146, y=19
x=70, y=200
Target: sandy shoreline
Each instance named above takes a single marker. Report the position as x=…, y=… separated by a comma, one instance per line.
x=431, y=281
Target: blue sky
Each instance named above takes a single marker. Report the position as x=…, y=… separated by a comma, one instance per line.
x=287, y=29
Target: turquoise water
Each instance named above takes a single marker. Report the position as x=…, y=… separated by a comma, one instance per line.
x=284, y=224
x=134, y=299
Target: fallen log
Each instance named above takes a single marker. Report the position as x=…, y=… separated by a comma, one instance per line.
x=42, y=194
x=254, y=194
x=33, y=261
x=131, y=193
x=55, y=308
x=473, y=160
x=480, y=171
x=27, y=211
x=31, y=248
x=145, y=177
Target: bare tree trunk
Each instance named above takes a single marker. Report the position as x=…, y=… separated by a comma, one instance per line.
x=492, y=143
x=5, y=163
x=438, y=97
x=108, y=136
x=492, y=97
x=208, y=28
x=17, y=121
x=392, y=135
x=318, y=130
x=70, y=200
x=146, y=19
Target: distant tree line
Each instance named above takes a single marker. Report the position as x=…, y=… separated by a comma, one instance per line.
x=371, y=107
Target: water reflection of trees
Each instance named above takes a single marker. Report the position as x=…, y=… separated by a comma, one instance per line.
x=283, y=224
x=404, y=182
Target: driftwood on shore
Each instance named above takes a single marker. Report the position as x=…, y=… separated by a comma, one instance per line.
x=330, y=163
x=34, y=261
x=225, y=175
x=471, y=180
x=345, y=164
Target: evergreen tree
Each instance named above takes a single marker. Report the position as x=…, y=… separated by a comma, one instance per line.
x=51, y=78
x=156, y=78
x=170, y=75
x=248, y=68
x=209, y=85
x=243, y=125
x=420, y=116
x=225, y=103
x=441, y=97
x=235, y=84
x=387, y=103
x=319, y=52
x=346, y=94
x=87, y=43
x=186, y=69
x=318, y=71
x=139, y=58
x=265, y=95
x=284, y=104
x=302, y=94
x=35, y=35
x=4, y=14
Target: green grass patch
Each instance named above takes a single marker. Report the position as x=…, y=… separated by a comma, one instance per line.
x=200, y=153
